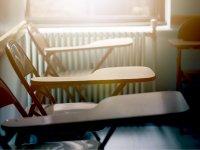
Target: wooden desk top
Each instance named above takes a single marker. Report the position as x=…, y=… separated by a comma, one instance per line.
x=100, y=76
x=178, y=43
x=108, y=43
x=111, y=108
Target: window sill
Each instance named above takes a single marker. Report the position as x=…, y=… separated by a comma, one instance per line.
x=106, y=29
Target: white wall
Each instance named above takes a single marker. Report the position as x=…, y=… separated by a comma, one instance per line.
x=185, y=7
x=11, y=13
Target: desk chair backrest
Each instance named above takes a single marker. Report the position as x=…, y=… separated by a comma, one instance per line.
x=7, y=98
x=53, y=62
x=23, y=67
x=190, y=30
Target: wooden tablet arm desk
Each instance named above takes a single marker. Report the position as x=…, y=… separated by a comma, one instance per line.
x=113, y=111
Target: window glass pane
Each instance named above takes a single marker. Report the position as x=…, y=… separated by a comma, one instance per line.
x=123, y=7
x=95, y=11
x=58, y=8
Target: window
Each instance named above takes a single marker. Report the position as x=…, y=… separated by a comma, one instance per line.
x=94, y=11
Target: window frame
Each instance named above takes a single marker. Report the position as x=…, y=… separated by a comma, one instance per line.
x=158, y=14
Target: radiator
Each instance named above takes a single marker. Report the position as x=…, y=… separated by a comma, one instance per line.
x=125, y=56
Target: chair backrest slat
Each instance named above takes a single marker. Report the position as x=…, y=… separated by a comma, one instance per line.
x=37, y=38
x=190, y=30
x=21, y=61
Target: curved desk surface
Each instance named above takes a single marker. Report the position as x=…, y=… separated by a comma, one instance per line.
x=100, y=76
x=120, y=75
x=111, y=108
x=107, y=43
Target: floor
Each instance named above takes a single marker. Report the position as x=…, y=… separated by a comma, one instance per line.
x=140, y=136
x=151, y=137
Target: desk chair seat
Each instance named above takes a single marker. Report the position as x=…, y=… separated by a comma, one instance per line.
x=188, y=37
x=55, y=66
x=189, y=31
x=122, y=75
x=23, y=67
x=7, y=98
